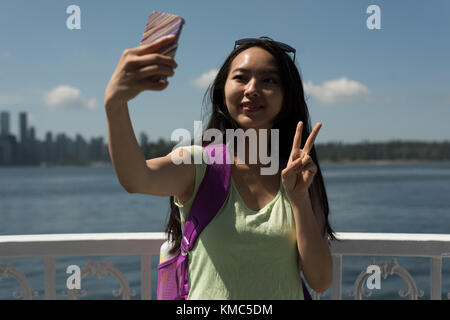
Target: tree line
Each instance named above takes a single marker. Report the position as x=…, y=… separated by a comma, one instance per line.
x=392, y=150
x=338, y=151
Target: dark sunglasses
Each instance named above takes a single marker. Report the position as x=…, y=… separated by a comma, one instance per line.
x=283, y=46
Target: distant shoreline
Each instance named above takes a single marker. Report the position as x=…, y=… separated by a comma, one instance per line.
x=325, y=161
x=382, y=162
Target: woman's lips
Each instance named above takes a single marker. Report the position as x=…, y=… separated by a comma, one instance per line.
x=250, y=108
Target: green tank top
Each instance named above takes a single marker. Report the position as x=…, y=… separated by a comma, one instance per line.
x=243, y=254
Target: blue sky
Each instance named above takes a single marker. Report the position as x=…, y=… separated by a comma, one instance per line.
x=363, y=85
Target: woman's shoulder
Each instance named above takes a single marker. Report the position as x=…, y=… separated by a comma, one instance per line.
x=201, y=155
x=192, y=154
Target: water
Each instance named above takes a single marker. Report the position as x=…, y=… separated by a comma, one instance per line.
x=397, y=198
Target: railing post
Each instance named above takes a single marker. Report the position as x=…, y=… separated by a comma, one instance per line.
x=436, y=278
x=50, y=278
x=336, y=286
x=146, y=277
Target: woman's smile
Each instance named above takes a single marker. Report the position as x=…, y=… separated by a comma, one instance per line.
x=251, y=109
x=251, y=106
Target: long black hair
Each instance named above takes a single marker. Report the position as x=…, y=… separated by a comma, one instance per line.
x=294, y=109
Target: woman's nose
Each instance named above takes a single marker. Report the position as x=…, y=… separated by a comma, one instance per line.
x=252, y=88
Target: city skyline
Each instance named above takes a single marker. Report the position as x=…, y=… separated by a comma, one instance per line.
x=26, y=149
x=59, y=148
x=27, y=131
x=6, y=126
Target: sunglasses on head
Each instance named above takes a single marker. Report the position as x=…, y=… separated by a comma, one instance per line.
x=283, y=46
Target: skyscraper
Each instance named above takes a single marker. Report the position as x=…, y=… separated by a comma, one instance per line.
x=144, y=139
x=4, y=123
x=23, y=127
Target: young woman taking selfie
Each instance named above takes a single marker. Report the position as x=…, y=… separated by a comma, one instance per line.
x=270, y=226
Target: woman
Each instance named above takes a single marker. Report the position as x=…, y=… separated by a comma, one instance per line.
x=250, y=249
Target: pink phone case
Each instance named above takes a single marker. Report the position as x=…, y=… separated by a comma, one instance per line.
x=160, y=24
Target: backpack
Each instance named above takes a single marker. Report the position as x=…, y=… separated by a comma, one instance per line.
x=212, y=192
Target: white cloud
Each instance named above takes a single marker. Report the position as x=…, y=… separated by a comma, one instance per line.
x=205, y=79
x=68, y=97
x=337, y=90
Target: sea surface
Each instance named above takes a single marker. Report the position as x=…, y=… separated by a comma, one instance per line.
x=363, y=197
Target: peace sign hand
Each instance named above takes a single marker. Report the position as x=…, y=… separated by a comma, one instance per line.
x=300, y=169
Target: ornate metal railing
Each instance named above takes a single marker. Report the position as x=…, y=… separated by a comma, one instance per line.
x=52, y=246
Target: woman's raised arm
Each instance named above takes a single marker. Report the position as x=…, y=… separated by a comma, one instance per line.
x=140, y=69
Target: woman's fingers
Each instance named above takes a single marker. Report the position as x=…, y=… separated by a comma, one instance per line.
x=296, y=164
x=297, y=141
x=312, y=138
x=154, y=70
x=307, y=164
x=296, y=145
x=154, y=46
x=300, y=163
x=291, y=169
x=144, y=55
x=133, y=63
x=141, y=69
x=155, y=85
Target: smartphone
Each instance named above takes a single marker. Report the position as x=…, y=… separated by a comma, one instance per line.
x=161, y=24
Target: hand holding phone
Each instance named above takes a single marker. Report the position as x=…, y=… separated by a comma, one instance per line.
x=147, y=66
x=140, y=69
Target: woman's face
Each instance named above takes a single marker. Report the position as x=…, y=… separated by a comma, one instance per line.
x=253, y=91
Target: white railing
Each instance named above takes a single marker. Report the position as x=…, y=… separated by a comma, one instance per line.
x=51, y=246
x=432, y=246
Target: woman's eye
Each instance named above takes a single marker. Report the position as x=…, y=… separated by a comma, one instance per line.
x=241, y=78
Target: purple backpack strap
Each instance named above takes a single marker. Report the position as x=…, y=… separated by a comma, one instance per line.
x=210, y=197
x=217, y=183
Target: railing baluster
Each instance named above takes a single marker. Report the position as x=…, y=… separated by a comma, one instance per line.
x=336, y=286
x=50, y=278
x=436, y=278
x=146, y=277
